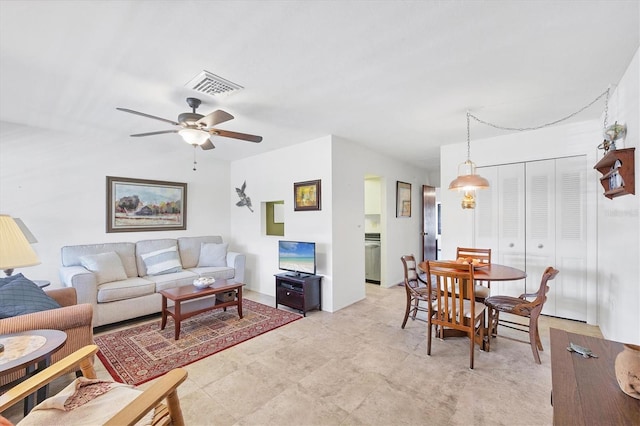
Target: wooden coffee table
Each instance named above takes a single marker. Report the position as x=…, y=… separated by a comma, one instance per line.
x=198, y=302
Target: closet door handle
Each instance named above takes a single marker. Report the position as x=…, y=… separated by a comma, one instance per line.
x=540, y=246
x=511, y=244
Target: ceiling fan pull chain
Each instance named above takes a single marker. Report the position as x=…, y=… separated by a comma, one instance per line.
x=194, y=157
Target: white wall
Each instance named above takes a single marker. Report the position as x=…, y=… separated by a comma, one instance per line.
x=56, y=183
x=270, y=177
x=613, y=290
x=339, y=226
x=619, y=227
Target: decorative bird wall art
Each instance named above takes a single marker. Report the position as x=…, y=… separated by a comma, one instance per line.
x=244, y=200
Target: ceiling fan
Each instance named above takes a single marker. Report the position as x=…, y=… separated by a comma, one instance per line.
x=195, y=128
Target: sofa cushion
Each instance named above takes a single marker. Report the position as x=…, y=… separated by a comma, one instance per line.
x=20, y=296
x=190, y=248
x=125, y=289
x=163, y=261
x=212, y=254
x=215, y=272
x=107, y=266
x=176, y=279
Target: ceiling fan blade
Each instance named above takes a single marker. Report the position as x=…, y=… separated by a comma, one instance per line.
x=236, y=135
x=148, y=116
x=216, y=117
x=207, y=145
x=154, y=133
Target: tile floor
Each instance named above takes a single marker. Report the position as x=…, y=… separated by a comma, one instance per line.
x=358, y=367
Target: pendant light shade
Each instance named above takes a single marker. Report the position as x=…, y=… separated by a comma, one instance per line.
x=467, y=180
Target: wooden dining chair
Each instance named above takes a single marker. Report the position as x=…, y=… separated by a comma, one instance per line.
x=419, y=297
x=522, y=307
x=453, y=313
x=483, y=288
x=121, y=405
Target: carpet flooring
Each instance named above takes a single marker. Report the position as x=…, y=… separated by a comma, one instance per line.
x=141, y=353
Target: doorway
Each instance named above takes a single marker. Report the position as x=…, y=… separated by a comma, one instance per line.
x=372, y=218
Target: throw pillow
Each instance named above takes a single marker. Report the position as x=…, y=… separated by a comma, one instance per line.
x=107, y=266
x=213, y=254
x=7, y=280
x=22, y=296
x=162, y=261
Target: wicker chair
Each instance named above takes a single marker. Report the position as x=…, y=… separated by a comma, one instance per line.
x=134, y=404
x=73, y=319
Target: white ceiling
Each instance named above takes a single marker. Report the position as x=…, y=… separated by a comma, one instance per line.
x=397, y=76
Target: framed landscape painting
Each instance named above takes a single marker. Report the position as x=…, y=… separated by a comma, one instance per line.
x=306, y=195
x=403, y=199
x=135, y=205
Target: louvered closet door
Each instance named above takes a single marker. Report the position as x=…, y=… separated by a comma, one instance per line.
x=556, y=234
x=499, y=221
x=569, y=300
x=541, y=218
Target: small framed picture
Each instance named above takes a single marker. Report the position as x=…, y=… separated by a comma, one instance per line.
x=403, y=199
x=307, y=195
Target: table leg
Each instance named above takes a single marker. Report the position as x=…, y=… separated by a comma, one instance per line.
x=240, y=301
x=177, y=320
x=163, y=323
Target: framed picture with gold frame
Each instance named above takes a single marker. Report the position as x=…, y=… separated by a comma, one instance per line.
x=307, y=195
x=136, y=205
x=403, y=199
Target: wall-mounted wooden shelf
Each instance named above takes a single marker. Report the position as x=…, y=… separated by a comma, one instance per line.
x=626, y=171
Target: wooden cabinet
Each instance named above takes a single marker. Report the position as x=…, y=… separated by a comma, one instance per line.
x=298, y=292
x=618, y=173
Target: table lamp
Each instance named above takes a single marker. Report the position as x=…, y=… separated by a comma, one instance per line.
x=15, y=250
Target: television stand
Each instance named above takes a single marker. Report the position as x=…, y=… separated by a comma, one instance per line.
x=301, y=292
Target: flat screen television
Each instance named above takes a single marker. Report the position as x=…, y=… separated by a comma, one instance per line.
x=298, y=257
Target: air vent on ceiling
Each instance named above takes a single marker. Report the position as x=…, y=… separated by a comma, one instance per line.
x=211, y=84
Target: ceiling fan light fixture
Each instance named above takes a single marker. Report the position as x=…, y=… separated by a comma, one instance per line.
x=194, y=136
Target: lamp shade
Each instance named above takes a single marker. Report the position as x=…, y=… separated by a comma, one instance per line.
x=467, y=179
x=15, y=250
x=194, y=136
x=469, y=183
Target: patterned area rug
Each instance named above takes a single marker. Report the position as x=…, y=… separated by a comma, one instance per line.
x=139, y=354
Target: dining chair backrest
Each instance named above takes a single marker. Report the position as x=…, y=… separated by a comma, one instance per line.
x=411, y=278
x=455, y=306
x=418, y=294
x=484, y=255
x=453, y=281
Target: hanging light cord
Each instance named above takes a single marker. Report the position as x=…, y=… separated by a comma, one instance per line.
x=521, y=129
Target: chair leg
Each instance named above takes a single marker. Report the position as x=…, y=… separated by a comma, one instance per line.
x=472, y=345
x=534, y=339
x=429, y=336
x=415, y=308
x=406, y=314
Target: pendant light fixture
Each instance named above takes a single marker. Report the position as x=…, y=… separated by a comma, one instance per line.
x=467, y=180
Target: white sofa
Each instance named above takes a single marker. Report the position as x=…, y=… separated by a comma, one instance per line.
x=115, y=279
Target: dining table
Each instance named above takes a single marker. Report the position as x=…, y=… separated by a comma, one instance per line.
x=488, y=272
